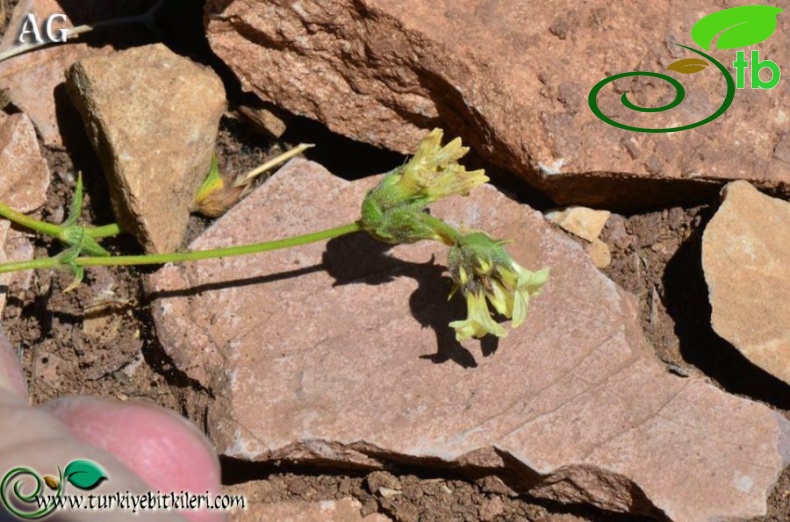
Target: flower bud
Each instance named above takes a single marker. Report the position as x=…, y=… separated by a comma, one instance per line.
x=394, y=210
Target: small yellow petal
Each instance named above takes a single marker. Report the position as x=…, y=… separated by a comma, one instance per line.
x=500, y=299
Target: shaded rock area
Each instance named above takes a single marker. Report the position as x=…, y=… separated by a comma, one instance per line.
x=746, y=259
x=24, y=180
x=512, y=78
x=300, y=374
x=153, y=118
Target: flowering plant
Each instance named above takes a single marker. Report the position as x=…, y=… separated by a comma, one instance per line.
x=394, y=212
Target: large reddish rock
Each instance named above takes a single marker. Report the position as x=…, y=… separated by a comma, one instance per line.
x=513, y=78
x=24, y=174
x=24, y=180
x=341, y=353
x=745, y=256
x=153, y=118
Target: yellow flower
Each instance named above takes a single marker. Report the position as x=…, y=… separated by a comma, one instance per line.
x=479, y=322
x=434, y=171
x=521, y=284
x=482, y=269
x=394, y=210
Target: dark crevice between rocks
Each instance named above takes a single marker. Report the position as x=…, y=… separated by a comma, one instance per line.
x=687, y=302
x=180, y=24
x=343, y=157
x=627, y=193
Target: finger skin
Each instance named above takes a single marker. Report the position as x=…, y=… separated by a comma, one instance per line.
x=12, y=378
x=141, y=447
x=34, y=438
x=161, y=447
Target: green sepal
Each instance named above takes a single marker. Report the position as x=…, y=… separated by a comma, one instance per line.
x=75, y=210
x=76, y=236
x=212, y=183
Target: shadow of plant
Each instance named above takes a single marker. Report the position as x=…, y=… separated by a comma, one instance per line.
x=359, y=259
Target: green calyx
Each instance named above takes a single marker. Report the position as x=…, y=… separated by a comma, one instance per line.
x=395, y=210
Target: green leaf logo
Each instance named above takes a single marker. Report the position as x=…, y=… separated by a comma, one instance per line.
x=741, y=26
x=688, y=65
x=84, y=474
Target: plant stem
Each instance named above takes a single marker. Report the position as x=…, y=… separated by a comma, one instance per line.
x=159, y=259
x=178, y=257
x=449, y=235
x=104, y=231
x=18, y=266
x=28, y=222
x=54, y=230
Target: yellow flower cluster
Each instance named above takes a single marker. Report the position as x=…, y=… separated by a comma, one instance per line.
x=484, y=273
x=395, y=212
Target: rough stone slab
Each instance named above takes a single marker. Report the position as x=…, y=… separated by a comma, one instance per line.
x=34, y=80
x=746, y=260
x=24, y=180
x=341, y=353
x=512, y=78
x=24, y=174
x=16, y=246
x=153, y=118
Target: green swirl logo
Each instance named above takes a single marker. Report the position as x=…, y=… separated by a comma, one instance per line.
x=17, y=496
x=735, y=27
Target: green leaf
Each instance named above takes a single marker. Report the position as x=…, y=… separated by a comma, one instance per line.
x=79, y=276
x=212, y=183
x=741, y=26
x=78, y=237
x=76, y=204
x=688, y=65
x=84, y=474
x=90, y=246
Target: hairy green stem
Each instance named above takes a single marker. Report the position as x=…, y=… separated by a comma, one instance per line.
x=28, y=222
x=104, y=231
x=449, y=235
x=54, y=230
x=159, y=259
x=18, y=266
